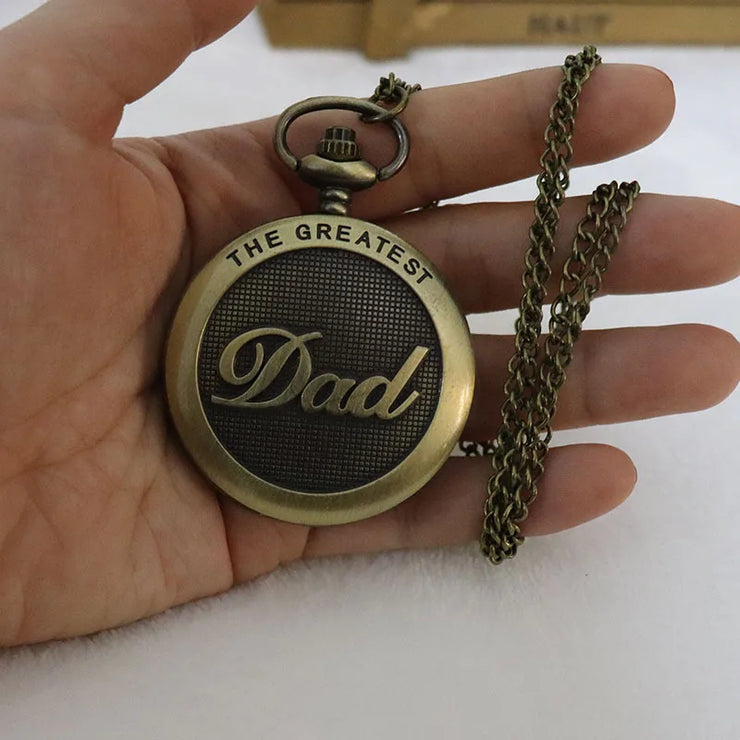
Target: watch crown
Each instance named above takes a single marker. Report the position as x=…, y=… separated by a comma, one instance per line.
x=339, y=145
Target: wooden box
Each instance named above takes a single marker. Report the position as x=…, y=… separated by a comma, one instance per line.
x=386, y=28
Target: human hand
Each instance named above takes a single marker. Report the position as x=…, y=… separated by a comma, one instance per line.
x=103, y=519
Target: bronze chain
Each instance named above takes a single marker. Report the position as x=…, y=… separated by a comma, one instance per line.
x=536, y=375
x=537, y=369
x=391, y=91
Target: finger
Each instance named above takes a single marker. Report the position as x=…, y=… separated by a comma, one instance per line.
x=669, y=243
x=85, y=59
x=618, y=375
x=452, y=151
x=476, y=135
x=580, y=482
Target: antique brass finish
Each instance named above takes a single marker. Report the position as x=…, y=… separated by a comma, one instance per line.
x=347, y=396
x=537, y=373
x=337, y=169
x=357, y=105
x=381, y=399
x=318, y=370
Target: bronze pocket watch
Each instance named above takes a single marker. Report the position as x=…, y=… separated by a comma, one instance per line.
x=318, y=370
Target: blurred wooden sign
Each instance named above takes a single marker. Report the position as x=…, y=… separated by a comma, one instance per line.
x=385, y=28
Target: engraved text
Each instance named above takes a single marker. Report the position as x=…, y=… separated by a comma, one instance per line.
x=376, y=396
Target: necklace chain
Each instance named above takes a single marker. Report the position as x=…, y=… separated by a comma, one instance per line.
x=536, y=372
x=537, y=369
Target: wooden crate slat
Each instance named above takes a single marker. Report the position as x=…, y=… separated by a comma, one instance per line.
x=386, y=28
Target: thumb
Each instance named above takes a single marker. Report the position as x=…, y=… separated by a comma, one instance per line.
x=83, y=60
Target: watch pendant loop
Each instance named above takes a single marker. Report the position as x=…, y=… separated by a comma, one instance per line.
x=365, y=108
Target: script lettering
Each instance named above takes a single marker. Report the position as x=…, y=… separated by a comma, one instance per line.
x=375, y=396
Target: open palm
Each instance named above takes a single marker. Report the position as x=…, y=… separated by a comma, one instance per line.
x=103, y=519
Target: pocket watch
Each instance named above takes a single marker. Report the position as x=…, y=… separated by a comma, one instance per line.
x=318, y=370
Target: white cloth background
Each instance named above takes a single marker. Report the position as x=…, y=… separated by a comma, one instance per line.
x=626, y=627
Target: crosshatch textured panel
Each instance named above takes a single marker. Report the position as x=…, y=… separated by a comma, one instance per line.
x=370, y=322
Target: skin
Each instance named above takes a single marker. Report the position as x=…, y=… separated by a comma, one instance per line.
x=103, y=519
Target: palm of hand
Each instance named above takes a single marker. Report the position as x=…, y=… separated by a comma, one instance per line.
x=102, y=518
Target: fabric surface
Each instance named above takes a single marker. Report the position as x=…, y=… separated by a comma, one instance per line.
x=625, y=627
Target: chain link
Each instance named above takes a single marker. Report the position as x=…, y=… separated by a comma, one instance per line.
x=536, y=372
x=392, y=91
